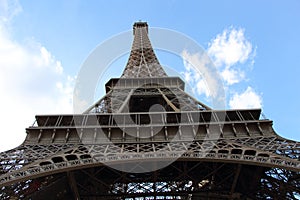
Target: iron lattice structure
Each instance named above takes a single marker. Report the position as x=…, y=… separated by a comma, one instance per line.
x=145, y=120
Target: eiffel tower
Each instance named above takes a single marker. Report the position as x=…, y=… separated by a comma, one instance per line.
x=148, y=139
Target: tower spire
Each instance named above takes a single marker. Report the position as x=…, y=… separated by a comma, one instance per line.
x=142, y=61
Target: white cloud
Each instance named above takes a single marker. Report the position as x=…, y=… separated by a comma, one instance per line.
x=198, y=73
x=230, y=52
x=31, y=82
x=204, y=78
x=9, y=9
x=228, y=49
x=202, y=87
x=247, y=99
x=232, y=76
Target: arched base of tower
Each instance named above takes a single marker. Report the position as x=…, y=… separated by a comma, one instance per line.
x=179, y=180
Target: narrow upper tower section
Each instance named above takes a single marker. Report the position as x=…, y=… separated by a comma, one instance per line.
x=142, y=61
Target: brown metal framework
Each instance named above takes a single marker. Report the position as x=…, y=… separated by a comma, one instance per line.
x=145, y=120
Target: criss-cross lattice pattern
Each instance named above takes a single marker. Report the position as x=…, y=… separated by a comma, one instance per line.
x=146, y=120
x=142, y=61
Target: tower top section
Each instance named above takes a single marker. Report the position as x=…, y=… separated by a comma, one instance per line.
x=142, y=62
x=138, y=25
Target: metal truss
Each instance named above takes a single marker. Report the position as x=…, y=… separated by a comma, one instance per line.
x=174, y=98
x=179, y=180
x=58, y=145
x=96, y=154
x=142, y=61
x=148, y=139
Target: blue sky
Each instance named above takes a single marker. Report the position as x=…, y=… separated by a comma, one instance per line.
x=43, y=44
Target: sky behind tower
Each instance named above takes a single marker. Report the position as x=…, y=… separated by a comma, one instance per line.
x=253, y=44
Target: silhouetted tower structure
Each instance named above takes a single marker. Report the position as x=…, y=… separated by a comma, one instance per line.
x=147, y=123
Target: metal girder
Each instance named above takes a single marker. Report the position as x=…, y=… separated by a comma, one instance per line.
x=207, y=153
x=142, y=59
x=180, y=179
x=73, y=185
x=81, y=156
x=235, y=180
